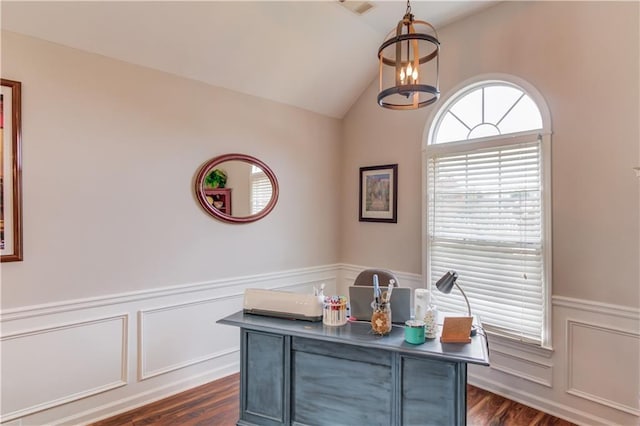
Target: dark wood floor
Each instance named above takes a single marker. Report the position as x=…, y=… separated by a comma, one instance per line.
x=217, y=403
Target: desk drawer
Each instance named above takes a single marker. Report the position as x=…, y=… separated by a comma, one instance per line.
x=342, y=351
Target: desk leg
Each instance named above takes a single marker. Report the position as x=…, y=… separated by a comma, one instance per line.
x=264, y=378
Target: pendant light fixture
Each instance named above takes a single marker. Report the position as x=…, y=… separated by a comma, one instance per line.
x=409, y=65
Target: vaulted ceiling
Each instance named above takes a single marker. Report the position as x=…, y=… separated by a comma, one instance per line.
x=316, y=55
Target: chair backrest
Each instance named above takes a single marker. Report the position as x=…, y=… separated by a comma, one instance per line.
x=384, y=276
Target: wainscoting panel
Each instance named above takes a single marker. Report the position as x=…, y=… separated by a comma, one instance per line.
x=46, y=367
x=78, y=361
x=594, y=365
x=523, y=367
x=602, y=361
x=178, y=336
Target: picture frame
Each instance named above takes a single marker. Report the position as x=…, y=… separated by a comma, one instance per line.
x=379, y=194
x=10, y=171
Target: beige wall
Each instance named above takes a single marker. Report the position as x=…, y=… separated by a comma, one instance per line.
x=110, y=151
x=584, y=59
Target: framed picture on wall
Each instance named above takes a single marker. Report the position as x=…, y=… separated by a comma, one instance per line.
x=379, y=193
x=10, y=172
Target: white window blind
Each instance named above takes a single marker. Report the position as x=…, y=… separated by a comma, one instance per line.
x=484, y=218
x=260, y=190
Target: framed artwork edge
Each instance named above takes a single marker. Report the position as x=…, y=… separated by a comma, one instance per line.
x=14, y=141
x=389, y=215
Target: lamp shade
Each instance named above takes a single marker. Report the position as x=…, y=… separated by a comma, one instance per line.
x=446, y=283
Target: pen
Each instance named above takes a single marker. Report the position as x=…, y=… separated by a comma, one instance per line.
x=376, y=288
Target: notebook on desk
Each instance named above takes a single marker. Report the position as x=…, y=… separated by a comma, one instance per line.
x=360, y=297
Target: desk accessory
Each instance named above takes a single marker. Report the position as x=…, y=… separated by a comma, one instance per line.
x=445, y=285
x=456, y=330
x=381, y=305
x=414, y=332
x=426, y=311
x=381, y=318
x=334, y=312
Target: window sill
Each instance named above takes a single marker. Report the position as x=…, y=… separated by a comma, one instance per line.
x=512, y=344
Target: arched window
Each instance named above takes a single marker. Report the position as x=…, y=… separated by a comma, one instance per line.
x=492, y=109
x=487, y=206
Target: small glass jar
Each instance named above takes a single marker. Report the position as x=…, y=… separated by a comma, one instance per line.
x=431, y=322
x=334, y=312
x=381, y=318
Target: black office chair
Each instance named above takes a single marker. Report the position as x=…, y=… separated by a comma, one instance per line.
x=384, y=277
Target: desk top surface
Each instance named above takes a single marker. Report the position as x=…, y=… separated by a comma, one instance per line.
x=359, y=333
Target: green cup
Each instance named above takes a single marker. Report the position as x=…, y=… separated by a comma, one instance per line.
x=414, y=332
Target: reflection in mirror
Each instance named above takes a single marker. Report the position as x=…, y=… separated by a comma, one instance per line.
x=236, y=188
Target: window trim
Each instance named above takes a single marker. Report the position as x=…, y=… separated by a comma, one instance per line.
x=545, y=143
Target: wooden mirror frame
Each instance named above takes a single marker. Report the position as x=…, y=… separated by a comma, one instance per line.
x=202, y=199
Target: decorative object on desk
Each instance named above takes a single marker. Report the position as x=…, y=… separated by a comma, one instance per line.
x=216, y=179
x=456, y=330
x=379, y=194
x=334, y=311
x=426, y=311
x=431, y=323
x=408, y=74
x=255, y=188
x=445, y=285
x=414, y=332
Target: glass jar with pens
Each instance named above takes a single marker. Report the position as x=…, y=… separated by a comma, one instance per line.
x=381, y=306
x=381, y=318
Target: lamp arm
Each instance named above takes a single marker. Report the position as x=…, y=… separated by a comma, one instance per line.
x=465, y=297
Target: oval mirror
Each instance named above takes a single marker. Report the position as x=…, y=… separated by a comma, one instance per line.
x=236, y=188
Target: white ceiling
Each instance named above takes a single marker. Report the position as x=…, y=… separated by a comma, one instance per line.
x=316, y=55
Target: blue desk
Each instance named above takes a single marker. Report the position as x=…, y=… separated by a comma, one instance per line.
x=303, y=373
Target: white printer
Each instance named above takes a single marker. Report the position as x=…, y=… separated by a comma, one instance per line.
x=283, y=304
